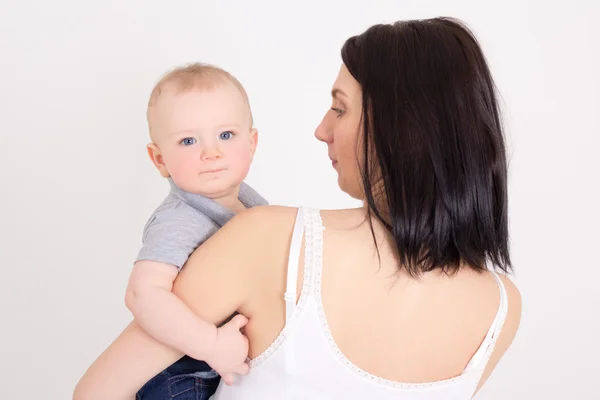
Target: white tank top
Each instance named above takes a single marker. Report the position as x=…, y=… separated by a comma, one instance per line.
x=304, y=361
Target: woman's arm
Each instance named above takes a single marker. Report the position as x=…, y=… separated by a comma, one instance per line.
x=215, y=282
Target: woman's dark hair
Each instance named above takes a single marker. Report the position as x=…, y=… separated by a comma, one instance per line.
x=433, y=143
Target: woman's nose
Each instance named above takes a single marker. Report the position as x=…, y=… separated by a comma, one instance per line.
x=322, y=132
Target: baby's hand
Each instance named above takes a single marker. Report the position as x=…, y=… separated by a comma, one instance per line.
x=230, y=350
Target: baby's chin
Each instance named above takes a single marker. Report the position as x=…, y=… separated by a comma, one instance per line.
x=214, y=188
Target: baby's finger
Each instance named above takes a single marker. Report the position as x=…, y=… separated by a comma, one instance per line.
x=242, y=369
x=239, y=321
x=227, y=378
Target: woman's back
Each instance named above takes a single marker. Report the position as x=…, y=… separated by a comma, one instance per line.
x=360, y=322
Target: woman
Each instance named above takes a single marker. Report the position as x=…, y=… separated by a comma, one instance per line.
x=397, y=299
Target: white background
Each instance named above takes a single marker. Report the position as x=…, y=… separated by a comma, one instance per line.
x=77, y=186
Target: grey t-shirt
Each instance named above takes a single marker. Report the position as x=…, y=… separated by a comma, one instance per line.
x=184, y=221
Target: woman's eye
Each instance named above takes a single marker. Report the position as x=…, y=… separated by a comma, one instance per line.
x=226, y=135
x=188, y=141
x=338, y=111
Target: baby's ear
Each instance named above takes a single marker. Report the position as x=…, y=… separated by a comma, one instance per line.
x=253, y=140
x=157, y=159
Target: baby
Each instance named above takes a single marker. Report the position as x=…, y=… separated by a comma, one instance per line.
x=203, y=142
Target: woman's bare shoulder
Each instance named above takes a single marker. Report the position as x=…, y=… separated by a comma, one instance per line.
x=513, y=315
x=509, y=328
x=263, y=219
x=484, y=288
x=513, y=297
x=261, y=227
x=236, y=262
x=279, y=217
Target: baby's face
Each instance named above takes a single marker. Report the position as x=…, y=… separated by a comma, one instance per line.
x=205, y=138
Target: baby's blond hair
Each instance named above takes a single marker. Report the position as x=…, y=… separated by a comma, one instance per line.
x=193, y=76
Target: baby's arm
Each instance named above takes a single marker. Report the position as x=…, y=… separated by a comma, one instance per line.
x=166, y=318
x=215, y=283
x=173, y=232
x=135, y=356
x=162, y=315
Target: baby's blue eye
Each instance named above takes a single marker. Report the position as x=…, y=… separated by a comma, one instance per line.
x=226, y=135
x=188, y=141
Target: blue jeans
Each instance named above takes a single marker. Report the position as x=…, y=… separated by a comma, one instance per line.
x=186, y=379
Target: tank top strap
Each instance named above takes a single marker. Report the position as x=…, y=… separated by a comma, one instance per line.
x=293, y=261
x=481, y=357
x=313, y=246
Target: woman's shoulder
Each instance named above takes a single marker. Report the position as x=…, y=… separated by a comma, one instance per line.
x=280, y=216
x=513, y=298
x=509, y=326
x=484, y=288
x=513, y=312
x=261, y=226
x=263, y=217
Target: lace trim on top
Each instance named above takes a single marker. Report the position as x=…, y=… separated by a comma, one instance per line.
x=304, y=293
x=315, y=226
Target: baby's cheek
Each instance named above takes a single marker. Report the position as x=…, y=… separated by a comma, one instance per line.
x=178, y=165
x=183, y=169
x=241, y=161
